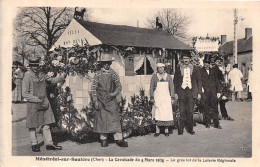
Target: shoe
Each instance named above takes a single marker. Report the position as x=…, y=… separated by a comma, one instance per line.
x=156, y=134
x=207, y=126
x=104, y=143
x=166, y=134
x=180, y=132
x=36, y=148
x=53, y=147
x=217, y=127
x=230, y=119
x=192, y=132
x=122, y=143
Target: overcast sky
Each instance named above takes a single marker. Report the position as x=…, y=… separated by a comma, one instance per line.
x=214, y=22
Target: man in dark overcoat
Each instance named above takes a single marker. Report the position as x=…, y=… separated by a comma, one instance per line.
x=105, y=88
x=211, y=93
x=187, y=84
x=216, y=65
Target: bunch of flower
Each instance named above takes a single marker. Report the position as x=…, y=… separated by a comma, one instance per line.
x=137, y=118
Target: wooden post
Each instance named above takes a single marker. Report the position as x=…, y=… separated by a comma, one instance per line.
x=145, y=66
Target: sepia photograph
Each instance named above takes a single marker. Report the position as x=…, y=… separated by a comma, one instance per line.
x=111, y=84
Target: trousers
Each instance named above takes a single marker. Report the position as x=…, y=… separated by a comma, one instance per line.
x=211, y=109
x=46, y=135
x=186, y=105
x=117, y=136
x=223, y=110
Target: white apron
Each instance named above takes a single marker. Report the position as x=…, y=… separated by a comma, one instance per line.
x=162, y=108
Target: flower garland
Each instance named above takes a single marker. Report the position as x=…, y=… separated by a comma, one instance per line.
x=72, y=61
x=194, y=39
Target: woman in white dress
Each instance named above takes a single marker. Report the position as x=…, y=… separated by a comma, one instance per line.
x=162, y=95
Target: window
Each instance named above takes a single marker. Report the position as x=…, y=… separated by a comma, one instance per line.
x=145, y=69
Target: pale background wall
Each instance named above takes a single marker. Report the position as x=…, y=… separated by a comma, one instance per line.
x=131, y=85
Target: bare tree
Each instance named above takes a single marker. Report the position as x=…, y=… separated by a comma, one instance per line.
x=172, y=22
x=42, y=26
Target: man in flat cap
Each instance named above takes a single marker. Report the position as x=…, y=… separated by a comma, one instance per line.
x=105, y=88
x=39, y=112
x=187, y=86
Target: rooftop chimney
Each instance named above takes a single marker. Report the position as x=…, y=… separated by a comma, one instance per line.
x=223, y=39
x=248, y=32
x=137, y=24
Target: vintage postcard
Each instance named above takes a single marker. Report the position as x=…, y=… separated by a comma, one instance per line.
x=133, y=83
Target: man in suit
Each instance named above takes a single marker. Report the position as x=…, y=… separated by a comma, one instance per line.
x=187, y=84
x=211, y=93
x=216, y=64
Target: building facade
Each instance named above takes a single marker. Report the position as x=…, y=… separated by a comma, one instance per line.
x=142, y=49
x=244, y=51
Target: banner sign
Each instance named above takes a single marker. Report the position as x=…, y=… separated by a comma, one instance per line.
x=206, y=45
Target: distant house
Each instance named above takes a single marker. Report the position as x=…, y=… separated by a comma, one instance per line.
x=135, y=70
x=244, y=51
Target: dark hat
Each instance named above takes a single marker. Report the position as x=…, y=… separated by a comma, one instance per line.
x=34, y=62
x=235, y=66
x=186, y=54
x=213, y=58
x=219, y=58
x=17, y=63
x=207, y=58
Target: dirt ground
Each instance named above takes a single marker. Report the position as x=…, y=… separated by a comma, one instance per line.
x=234, y=140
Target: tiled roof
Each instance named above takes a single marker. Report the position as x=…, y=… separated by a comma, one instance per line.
x=121, y=35
x=243, y=45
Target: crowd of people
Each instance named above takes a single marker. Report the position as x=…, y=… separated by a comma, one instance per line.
x=204, y=83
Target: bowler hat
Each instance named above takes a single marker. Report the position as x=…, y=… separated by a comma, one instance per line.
x=34, y=61
x=105, y=57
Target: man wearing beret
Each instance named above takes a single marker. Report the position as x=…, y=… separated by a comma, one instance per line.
x=39, y=112
x=187, y=85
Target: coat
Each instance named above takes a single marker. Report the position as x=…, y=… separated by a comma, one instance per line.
x=235, y=76
x=195, y=82
x=34, y=90
x=105, y=87
x=210, y=82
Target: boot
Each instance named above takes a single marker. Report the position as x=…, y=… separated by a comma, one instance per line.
x=104, y=143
